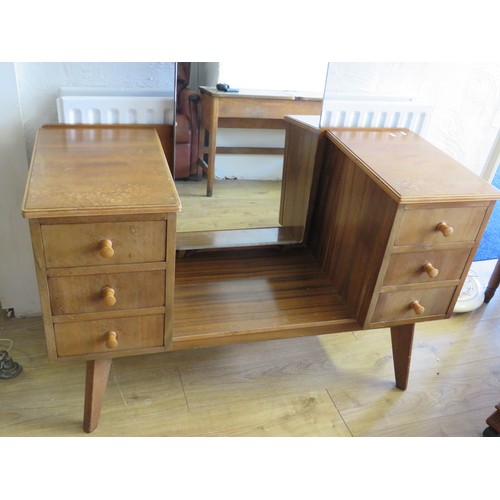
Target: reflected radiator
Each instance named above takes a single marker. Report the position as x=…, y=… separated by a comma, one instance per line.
x=90, y=106
x=382, y=113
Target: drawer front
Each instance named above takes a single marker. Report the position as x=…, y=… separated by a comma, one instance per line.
x=72, y=245
x=396, y=306
x=88, y=337
x=419, y=226
x=426, y=267
x=106, y=292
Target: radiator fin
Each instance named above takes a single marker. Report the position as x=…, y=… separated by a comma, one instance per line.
x=115, y=110
x=382, y=114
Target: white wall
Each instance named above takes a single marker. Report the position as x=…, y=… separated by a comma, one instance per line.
x=301, y=75
x=27, y=101
x=18, y=287
x=203, y=74
x=308, y=76
x=466, y=98
x=39, y=84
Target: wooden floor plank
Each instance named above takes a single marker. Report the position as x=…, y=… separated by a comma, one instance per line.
x=238, y=204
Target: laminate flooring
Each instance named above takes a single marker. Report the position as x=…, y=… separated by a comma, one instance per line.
x=234, y=204
x=337, y=385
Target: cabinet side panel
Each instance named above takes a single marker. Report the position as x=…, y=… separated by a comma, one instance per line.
x=43, y=288
x=350, y=227
x=170, y=280
x=298, y=163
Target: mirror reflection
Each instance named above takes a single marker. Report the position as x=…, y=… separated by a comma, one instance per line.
x=237, y=172
x=234, y=180
x=455, y=106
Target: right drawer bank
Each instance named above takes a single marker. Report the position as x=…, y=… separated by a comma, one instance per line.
x=411, y=267
x=426, y=265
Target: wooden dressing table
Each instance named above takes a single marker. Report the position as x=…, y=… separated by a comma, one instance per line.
x=390, y=228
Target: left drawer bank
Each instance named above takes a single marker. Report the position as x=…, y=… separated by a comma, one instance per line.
x=102, y=205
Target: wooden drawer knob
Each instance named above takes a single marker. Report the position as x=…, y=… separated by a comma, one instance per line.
x=106, y=249
x=111, y=340
x=431, y=270
x=445, y=229
x=108, y=296
x=419, y=309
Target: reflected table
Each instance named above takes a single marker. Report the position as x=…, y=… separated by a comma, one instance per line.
x=258, y=109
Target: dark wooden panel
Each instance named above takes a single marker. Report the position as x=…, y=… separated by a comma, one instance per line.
x=350, y=227
x=230, y=296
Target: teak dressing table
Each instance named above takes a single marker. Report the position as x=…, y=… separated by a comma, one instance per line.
x=390, y=228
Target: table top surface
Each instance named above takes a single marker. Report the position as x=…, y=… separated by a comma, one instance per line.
x=311, y=122
x=291, y=95
x=98, y=171
x=410, y=168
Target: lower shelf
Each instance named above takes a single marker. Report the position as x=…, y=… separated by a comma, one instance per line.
x=237, y=238
x=244, y=295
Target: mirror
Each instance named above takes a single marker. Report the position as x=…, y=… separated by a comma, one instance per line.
x=94, y=93
x=452, y=105
x=248, y=154
x=460, y=102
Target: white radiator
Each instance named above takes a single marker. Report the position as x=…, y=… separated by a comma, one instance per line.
x=108, y=106
x=376, y=112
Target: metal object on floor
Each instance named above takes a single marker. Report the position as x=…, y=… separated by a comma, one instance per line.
x=493, y=421
x=8, y=367
x=490, y=432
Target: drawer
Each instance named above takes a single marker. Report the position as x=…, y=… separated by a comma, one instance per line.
x=106, y=292
x=419, y=226
x=88, y=337
x=72, y=245
x=406, y=268
x=395, y=306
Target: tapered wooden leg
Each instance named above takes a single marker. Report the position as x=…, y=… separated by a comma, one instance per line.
x=95, y=386
x=493, y=283
x=493, y=422
x=402, y=343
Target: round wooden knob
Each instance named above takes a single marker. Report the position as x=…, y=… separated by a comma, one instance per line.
x=419, y=309
x=108, y=296
x=445, y=229
x=110, y=340
x=431, y=270
x=106, y=249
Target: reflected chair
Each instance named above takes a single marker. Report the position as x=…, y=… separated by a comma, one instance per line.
x=187, y=126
